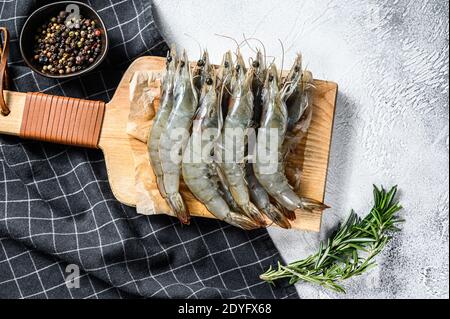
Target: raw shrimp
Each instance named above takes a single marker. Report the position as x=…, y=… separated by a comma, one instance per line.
x=305, y=104
x=258, y=194
x=297, y=132
x=198, y=168
x=292, y=92
x=269, y=173
x=300, y=103
x=171, y=149
x=161, y=118
x=223, y=82
x=236, y=124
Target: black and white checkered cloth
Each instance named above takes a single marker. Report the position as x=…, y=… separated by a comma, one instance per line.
x=57, y=209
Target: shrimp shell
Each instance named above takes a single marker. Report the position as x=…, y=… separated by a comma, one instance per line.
x=275, y=182
x=161, y=118
x=184, y=107
x=240, y=113
x=297, y=132
x=292, y=93
x=199, y=172
x=258, y=194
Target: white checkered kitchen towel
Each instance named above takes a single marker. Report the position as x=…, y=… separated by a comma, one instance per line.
x=57, y=212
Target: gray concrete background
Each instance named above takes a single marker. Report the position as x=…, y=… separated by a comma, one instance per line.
x=390, y=60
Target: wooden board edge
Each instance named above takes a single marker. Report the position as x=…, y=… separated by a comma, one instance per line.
x=336, y=88
x=315, y=218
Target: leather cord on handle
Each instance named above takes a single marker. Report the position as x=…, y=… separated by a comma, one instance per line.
x=62, y=120
x=4, y=52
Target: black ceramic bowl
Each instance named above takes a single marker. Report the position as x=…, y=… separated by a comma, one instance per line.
x=42, y=15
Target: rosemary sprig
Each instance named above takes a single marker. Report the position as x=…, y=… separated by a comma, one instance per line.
x=341, y=257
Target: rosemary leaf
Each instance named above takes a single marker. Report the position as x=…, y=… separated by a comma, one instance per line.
x=350, y=251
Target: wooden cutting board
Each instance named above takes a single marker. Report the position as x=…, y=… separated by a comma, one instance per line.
x=117, y=146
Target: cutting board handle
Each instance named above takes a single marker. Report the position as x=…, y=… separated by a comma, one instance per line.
x=52, y=118
x=4, y=52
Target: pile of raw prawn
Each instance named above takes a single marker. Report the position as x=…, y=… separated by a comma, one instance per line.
x=205, y=99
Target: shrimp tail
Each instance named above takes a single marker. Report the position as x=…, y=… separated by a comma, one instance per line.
x=286, y=212
x=177, y=205
x=241, y=221
x=277, y=216
x=252, y=212
x=310, y=205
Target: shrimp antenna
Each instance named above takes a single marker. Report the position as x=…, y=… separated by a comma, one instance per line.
x=306, y=69
x=286, y=86
x=262, y=45
x=196, y=41
x=248, y=44
x=273, y=61
x=282, y=57
x=238, y=45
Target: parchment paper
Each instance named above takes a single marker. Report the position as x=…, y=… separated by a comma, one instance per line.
x=144, y=99
x=144, y=91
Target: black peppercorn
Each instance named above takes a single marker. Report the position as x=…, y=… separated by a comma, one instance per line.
x=58, y=47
